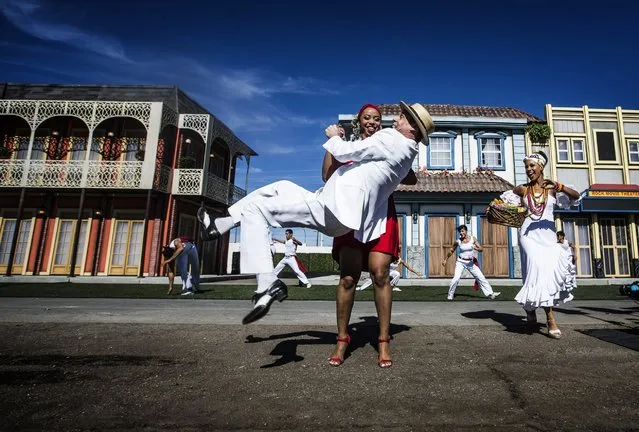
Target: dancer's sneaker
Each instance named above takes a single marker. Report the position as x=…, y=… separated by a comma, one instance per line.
x=263, y=301
x=494, y=295
x=308, y=285
x=208, y=230
x=396, y=289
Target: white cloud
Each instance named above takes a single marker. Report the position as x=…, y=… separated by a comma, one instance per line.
x=255, y=170
x=27, y=16
x=279, y=150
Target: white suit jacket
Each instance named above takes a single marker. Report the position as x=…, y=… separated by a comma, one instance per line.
x=357, y=194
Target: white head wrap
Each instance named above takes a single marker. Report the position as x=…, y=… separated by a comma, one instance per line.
x=537, y=158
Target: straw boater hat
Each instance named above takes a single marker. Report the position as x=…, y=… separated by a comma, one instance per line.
x=420, y=116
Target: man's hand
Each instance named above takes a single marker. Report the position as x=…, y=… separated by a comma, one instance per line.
x=333, y=130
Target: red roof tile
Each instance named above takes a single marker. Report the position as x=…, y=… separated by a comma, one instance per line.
x=445, y=181
x=466, y=111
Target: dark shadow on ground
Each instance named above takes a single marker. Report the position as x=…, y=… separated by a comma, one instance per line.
x=585, y=310
x=362, y=333
x=624, y=311
x=627, y=338
x=512, y=323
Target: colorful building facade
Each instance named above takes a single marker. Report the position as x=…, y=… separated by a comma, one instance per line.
x=597, y=151
x=95, y=179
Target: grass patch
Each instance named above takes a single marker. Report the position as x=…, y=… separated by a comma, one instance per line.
x=244, y=292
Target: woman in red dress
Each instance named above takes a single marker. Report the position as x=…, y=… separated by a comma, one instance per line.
x=375, y=256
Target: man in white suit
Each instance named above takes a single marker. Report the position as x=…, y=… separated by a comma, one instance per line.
x=354, y=198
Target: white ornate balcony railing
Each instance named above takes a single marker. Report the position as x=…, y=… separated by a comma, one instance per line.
x=162, y=179
x=54, y=173
x=187, y=181
x=114, y=174
x=11, y=171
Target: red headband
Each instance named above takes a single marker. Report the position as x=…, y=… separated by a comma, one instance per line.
x=368, y=106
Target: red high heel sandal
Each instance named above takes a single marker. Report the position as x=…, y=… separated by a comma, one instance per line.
x=337, y=361
x=384, y=363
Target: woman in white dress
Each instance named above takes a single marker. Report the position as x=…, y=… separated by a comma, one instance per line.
x=541, y=256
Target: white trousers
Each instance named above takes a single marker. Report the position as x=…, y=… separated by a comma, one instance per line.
x=477, y=274
x=279, y=204
x=292, y=263
x=394, y=279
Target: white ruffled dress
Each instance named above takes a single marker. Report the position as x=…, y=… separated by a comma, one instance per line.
x=543, y=261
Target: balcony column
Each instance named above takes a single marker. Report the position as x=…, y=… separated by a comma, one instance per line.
x=248, y=165
x=27, y=162
x=147, y=215
x=151, y=149
x=16, y=232
x=87, y=160
x=76, y=234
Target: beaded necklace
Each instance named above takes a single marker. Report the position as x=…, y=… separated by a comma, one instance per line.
x=536, y=203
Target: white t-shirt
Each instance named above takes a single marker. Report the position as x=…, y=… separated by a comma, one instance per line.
x=290, y=248
x=466, y=249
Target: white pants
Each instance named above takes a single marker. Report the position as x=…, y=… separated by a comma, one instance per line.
x=279, y=204
x=477, y=274
x=394, y=279
x=292, y=263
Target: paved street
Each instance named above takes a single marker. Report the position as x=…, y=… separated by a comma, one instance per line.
x=156, y=365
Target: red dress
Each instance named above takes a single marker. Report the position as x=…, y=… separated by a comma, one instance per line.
x=387, y=243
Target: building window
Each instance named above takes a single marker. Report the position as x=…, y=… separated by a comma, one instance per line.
x=578, y=233
x=563, y=154
x=578, y=151
x=571, y=150
x=441, y=151
x=633, y=151
x=491, y=149
x=605, y=145
x=7, y=229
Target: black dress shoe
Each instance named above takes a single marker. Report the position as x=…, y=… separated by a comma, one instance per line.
x=207, y=232
x=277, y=291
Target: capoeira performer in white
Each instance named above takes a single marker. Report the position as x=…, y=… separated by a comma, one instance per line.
x=467, y=246
x=290, y=257
x=568, y=255
x=354, y=198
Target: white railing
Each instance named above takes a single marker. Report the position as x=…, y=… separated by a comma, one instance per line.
x=187, y=181
x=114, y=174
x=54, y=174
x=11, y=171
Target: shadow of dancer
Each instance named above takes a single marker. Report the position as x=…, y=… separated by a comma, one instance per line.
x=362, y=333
x=512, y=323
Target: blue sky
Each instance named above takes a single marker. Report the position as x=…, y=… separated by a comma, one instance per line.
x=278, y=74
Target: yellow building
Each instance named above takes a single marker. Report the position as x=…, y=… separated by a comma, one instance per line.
x=597, y=151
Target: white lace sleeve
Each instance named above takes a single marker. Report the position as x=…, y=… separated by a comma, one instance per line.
x=564, y=202
x=510, y=197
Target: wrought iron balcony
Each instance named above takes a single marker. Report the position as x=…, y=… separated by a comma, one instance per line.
x=190, y=182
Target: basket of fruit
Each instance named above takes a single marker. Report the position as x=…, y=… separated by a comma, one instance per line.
x=503, y=213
